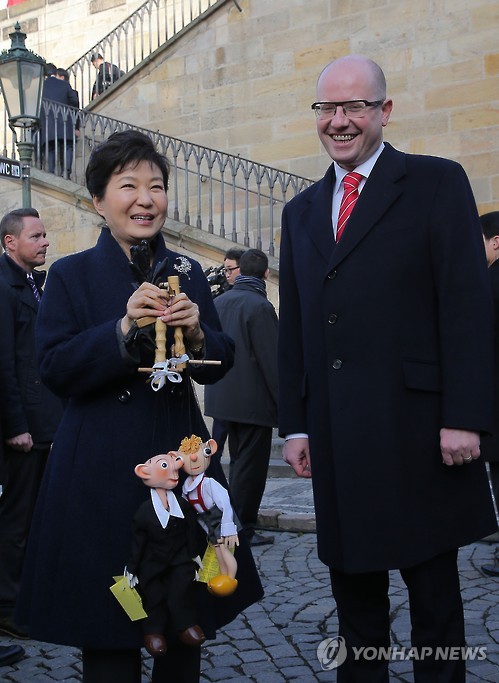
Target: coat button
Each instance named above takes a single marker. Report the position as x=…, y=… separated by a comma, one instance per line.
x=332, y=318
x=337, y=364
x=331, y=275
x=124, y=396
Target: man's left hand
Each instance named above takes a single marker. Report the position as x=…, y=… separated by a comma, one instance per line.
x=458, y=446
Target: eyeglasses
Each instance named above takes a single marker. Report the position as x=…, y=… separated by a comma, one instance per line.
x=355, y=109
x=229, y=270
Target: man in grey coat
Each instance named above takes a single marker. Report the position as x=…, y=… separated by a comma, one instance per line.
x=246, y=397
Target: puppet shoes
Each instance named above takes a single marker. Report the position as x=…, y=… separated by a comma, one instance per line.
x=222, y=585
x=155, y=643
x=193, y=636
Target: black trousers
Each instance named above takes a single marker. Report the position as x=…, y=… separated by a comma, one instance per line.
x=180, y=664
x=219, y=433
x=65, y=157
x=23, y=474
x=249, y=448
x=169, y=600
x=436, y=612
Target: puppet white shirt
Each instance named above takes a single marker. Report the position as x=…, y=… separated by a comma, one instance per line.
x=212, y=494
x=161, y=512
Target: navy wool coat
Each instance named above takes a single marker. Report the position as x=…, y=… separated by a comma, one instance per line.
x=490, y=442
x=60, y=127
x=26, y=403
x=385, y=338
x=81, y=534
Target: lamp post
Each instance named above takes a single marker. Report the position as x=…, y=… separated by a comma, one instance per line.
x=21, y=81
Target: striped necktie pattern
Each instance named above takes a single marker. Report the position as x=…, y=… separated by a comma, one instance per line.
x=350, y=195
x=33, y=286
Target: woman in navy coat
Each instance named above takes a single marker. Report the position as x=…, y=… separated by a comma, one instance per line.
x=90, y=353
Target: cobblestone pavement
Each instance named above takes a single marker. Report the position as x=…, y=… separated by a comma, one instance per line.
x=276, y=641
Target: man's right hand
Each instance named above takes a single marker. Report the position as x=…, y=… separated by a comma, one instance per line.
x=21, y=442
x=297, y=454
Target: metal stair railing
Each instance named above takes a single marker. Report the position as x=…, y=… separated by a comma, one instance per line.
x=218, y=193
x=147, y=29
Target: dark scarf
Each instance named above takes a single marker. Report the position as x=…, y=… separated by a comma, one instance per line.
x=253, y=282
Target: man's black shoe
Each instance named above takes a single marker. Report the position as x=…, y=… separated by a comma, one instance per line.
x=10, y=654
x=491, y=569
x=10, y=628
x=260, y=539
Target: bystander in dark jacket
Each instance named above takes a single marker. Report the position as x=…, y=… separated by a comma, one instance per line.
x=57, y=128
x=246, y=398
x=30, y=412
x=107, y=74
x=490, y=442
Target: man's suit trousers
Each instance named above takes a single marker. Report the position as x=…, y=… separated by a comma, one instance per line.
x=249, y=448
x=436, y=612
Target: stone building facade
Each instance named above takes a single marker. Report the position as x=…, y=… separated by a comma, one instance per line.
x=243, y=82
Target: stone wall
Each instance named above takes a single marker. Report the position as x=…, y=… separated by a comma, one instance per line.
x=243, y=82
x=61, y=31
x=72, y=224
x=65, y=208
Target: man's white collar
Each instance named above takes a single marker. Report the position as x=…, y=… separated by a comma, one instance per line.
x=161, y=512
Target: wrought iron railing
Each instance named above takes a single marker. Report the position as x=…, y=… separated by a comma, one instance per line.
x=152, y=25
x=222, y=194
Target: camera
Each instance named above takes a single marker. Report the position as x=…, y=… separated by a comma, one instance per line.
x=217, y=280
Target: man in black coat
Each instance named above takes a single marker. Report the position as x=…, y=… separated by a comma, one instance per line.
x=57, y=129
x=9, y=654
x=490, y=443
x=246, y=398
x=29, y=411
x=385, y=374
x=107, y=74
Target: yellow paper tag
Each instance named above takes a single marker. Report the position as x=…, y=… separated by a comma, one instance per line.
x=128, y=598
x=211, y=567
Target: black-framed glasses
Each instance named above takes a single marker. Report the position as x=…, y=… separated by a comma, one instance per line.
x=229, y=270
x=354, y=109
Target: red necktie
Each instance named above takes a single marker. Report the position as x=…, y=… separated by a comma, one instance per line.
x=350, y=195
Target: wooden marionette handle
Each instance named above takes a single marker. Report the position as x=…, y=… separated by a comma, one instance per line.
x=160, y=331
x=178, y=335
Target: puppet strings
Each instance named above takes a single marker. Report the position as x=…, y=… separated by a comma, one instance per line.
x=178, y=414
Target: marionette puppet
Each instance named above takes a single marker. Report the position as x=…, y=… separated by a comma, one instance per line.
x=214, y=510
x=153, y=330
x=162, y=563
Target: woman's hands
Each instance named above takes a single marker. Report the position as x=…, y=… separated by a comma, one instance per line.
x=175, y=311
x=184, y=313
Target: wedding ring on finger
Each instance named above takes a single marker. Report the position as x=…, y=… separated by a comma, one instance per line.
x=468, y=459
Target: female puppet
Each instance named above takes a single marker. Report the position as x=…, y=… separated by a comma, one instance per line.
x=212, y=504
x=162, y=562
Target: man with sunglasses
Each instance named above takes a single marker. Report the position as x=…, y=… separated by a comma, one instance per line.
x=385, y=368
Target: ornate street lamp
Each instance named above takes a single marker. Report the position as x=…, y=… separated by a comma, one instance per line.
x=21, y=82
